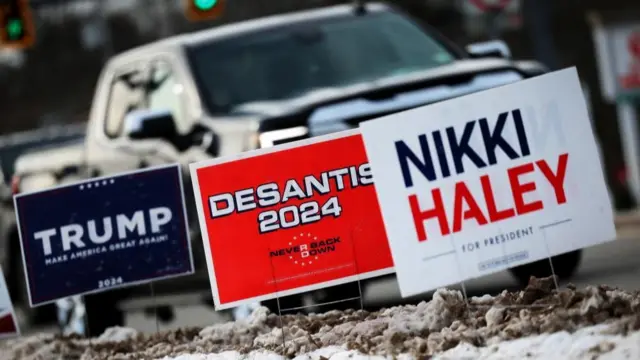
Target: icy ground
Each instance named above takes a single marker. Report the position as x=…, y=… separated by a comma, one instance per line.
x=586, y=343
x=502, y=327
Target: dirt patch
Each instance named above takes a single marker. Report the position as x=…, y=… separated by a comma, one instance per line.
x=421, y=330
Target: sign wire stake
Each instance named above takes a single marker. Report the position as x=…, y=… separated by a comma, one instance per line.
x=355, y=263
x=155, y=307
x=463, y=287
x=553, y=271
x=85, y=319
x=284, y=341
x=280, y=319
x=360, y=297
x=464, y=291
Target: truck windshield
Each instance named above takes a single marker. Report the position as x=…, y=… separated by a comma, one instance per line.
x=291, y=61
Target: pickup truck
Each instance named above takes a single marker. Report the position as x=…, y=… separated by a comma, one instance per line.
x=263, y=82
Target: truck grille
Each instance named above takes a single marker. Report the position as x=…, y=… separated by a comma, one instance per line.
x=283, y=136
x=290, y=139
x=355, y=121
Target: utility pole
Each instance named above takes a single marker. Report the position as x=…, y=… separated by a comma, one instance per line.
x=538, y=14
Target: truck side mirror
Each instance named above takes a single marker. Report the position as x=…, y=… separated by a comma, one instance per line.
x=150, y=124
x=489, y=49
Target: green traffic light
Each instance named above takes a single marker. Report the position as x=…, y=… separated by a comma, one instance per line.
x=14, y=29
x=205, y=5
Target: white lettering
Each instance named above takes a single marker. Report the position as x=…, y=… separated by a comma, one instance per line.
x=213, y=204
x=136, y=222
x=45, y=236
x=159, y=216
x=93, y=233
x=337, y=175
x=74, y=236
x=71, y=234
x=245, y=200
x=292, y=189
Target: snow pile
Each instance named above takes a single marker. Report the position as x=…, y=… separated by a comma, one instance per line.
x=446, y=325
x=117, y=334
x=587, y=343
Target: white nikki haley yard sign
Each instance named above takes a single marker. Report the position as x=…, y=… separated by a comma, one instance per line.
x=488, y=181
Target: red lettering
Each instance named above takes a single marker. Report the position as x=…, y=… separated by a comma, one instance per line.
x=556, y=180
x=420, y=216
x=462, y=196
x=518, y=189
x=492, y=208
x=465, y=206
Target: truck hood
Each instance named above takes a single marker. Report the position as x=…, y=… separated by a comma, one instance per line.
x=55, y=159
x=334, y=109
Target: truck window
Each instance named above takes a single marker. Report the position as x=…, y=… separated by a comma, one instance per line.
x=126, y=94
x=165, y=93
x=293, y=60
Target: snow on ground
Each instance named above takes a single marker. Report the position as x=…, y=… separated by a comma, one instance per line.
x=538, y=322
x=585, y=343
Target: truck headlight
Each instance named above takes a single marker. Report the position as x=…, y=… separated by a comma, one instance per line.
x=277, y=137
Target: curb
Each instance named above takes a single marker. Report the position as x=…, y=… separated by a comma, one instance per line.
x=626, y=218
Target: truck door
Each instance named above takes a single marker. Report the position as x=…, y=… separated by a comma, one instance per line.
x=151, y=85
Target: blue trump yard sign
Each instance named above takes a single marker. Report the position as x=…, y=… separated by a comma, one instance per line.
x=104, y=233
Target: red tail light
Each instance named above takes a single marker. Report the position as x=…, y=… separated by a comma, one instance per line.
x=15, y=185
x=622, y=175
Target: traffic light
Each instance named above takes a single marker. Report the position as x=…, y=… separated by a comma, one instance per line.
x=16, y=22
x=198, y=10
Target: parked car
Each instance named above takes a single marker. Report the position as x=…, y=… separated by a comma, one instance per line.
x=260, y=83
x=11, y=147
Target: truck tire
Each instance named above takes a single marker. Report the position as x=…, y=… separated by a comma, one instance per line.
x=564, y=265
x=17, y=284
x=338, y=297
x=103, y=311
x=286, y=303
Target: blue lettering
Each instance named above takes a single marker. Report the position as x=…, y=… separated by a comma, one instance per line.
x=461, y=148
x=522, y=135
x=494, y=140
x=442, y=155
x=405, y=155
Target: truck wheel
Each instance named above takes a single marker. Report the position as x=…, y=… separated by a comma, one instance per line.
x=164, y=313
x=286, y=303
x=338, y=297
x=103, y=312
x=565, y=265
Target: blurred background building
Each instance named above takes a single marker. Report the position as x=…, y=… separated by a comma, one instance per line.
x=52, y=82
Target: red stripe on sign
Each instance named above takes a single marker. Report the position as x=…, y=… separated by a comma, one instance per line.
x=634, y=45
x=7, y=325
x=482, y=5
